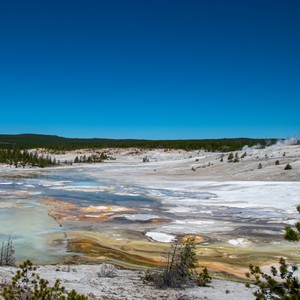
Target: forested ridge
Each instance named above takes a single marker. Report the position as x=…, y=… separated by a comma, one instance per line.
x=53, y=142
x=23, y=158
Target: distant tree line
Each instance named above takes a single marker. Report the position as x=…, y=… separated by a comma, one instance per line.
x=91, y=159
x=21, y=158
x=56, y=143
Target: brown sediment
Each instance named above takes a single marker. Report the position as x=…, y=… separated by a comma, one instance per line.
x=225, y=261
x=197, y=239
x=107, y=208
x=100, y=247
x=157, y=221
x=222, y=268
x=137, y=253
x=132, y=250
x=57, y=203
x=64, y=211
x=24, y=175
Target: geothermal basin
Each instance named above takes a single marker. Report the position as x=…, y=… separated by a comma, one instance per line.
x=128, y=215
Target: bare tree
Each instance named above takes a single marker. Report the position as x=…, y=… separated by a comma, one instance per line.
x=7, y=253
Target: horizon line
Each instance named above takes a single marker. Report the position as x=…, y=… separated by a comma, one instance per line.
x=147, y=139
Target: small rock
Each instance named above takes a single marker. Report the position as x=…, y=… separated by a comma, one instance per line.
x=107, y=270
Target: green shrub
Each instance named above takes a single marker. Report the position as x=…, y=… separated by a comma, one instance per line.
x=230, y=157
x=282, y=283
x=203, y=278
x=288, y=167
x=291, y=234
x=179, y=270
x=236, y=157
x=26, y=284
x=277, y=163
x=244, y=155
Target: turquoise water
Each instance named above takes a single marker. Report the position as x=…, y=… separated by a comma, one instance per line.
x=37, y=236
x=24, y=216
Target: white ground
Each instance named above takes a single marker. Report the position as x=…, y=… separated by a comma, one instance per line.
x=128, y=285
x=169, y=174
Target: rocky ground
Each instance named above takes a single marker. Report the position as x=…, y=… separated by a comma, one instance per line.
x=124, y=284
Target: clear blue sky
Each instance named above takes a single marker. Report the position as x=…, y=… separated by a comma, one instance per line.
x=150, y=68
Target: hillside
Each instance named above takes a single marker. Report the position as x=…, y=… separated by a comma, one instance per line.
x=28, y=141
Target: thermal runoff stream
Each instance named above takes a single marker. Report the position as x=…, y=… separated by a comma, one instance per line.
x=54, y=214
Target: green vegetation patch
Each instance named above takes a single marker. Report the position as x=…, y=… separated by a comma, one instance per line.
x=53, y=142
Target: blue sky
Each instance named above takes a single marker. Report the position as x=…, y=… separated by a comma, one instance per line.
x=150, y=69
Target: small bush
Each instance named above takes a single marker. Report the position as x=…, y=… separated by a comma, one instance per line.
x=244, y=155
x=281, y=284
x=259, y=166
x=107, y=270
x=203, y=278
x=277, y=163
x=288, y=167
x=236, y=158
x=145, y=159
x=179, y=270
x=291, y=234
x=230, y=157
x=28, y=285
